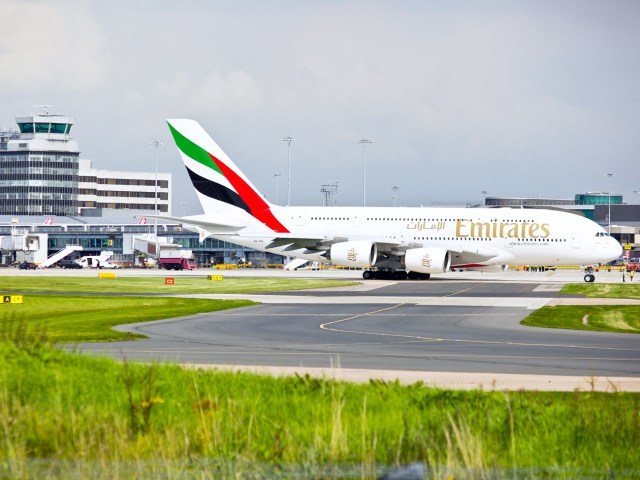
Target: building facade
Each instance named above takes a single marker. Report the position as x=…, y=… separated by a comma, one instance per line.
x=44, y=236
x=119, y=190
x=41, y=173
x=39, y=168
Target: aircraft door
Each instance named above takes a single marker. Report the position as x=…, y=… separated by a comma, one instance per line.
x=301, y=220
x=575, y=240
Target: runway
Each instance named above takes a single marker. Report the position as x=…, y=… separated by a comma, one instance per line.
x=447, y=333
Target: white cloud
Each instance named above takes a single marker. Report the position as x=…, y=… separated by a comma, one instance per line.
x=51, y=46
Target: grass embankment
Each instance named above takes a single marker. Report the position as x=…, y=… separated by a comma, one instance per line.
x=156, y=285
x=65, y=415
x=600, y=318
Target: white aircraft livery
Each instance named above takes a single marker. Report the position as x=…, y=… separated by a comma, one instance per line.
x=386, y=242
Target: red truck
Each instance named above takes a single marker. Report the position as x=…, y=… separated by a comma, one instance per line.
x=175, y=259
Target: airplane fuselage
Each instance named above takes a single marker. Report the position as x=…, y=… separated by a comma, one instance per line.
x=517, y=236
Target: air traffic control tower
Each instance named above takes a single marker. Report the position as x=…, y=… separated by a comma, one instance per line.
x=39, y=168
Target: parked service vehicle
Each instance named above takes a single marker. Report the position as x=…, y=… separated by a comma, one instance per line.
x=97, y=261
x=27, y=266
x=70, y=264
x=177, y=259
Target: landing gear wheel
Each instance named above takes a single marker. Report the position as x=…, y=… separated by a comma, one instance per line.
x=399, y=275
x=414, y=276
x=589, y=278
x=367, y=275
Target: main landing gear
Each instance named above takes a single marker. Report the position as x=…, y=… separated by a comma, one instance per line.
x=589, y=276
x=389, y=274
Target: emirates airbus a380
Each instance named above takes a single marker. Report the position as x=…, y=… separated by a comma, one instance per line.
x=395, y=242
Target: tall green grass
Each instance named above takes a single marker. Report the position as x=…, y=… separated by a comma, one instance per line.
x=67, y=415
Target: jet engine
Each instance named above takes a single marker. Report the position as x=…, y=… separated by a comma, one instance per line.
x=353, y=254
x=427, y=260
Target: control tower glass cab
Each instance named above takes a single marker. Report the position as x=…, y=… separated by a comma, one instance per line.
x=39, y=169
x=54, y=126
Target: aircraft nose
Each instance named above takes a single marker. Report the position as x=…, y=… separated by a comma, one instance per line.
x=615, y=248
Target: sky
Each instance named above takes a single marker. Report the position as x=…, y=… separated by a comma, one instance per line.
x=513, y=98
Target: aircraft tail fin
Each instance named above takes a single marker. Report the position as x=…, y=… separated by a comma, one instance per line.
x=219, y=183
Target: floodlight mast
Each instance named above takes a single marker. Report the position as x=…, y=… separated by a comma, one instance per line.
x=288, y=140
x=609, y=175
x=364, y=142
x=156, y=143
x=277, y=176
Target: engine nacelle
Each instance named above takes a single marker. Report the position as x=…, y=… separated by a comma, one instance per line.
x=427, y=260
x=353, y=254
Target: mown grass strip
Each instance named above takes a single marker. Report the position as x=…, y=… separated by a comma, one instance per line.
x=601, y=318
x=81, y=318
x=183, y=284
x=603, y=290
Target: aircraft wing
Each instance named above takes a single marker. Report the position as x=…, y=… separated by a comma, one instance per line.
x=319, y=243
x=473, y=256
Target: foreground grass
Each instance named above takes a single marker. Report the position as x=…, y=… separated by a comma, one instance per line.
x=183, y=284
x=603, y=290
x=66, y=415
x=91, y=318
x=600, y=318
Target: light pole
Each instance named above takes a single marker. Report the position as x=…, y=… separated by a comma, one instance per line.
x=609, y=175
x=395, y=194
x=184, y=208
x=288, y=140
x=637, y=192
x=364, y=142
x=156, y=144
x=484, y=198
x=277, y=175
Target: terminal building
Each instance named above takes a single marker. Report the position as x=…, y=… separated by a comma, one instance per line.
x=41, y=173
x=50, y=199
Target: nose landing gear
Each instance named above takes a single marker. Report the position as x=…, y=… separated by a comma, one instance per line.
x=589, y=276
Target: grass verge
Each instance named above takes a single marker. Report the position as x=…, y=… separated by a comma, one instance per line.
x=183, y=284
x=65, y=415
x=67, y=318
x=603, y=290
x=599, y=318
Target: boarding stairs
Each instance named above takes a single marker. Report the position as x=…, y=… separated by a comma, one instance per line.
x=53, y=258
x=295, y=263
